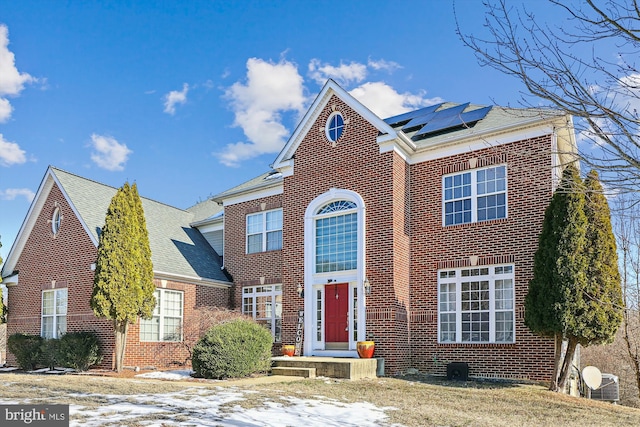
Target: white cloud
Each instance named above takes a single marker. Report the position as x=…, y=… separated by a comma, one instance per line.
x=381, y=64
x=274, y=89
x=385, y=101
x=175, y=97
x=344, y=74
x=271, y=89
x=11, y=153
x=12, y=193
x=5, y=110
x=11, y=80
x=109, y=154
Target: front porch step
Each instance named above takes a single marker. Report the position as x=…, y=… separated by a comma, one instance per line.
x=294, y=372
x=332, y=367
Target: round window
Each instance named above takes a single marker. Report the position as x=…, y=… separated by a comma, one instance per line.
x=335, y=126
x=56, y=220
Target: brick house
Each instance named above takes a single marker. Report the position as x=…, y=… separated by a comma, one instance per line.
x=417, y=231
x=49, y=270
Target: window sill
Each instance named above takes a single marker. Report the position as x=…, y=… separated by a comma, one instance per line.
x=476, y=345
x=469, y=224
x=263, y=252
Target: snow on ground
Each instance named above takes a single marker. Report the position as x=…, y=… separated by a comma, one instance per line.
x=167, y=375
x=201, y=407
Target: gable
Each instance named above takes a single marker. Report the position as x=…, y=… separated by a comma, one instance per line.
x=178, y=250
x=285, y=160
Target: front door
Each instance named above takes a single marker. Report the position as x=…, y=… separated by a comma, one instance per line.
x=336, y=324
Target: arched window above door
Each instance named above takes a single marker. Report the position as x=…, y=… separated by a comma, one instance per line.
x=339, y=205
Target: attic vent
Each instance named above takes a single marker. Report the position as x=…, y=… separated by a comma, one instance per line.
x=609, y=390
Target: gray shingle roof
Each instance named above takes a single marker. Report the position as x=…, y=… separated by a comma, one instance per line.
x=267, y=179
x=176, y=247
x=205, y=210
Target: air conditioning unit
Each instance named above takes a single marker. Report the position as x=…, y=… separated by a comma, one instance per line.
x=609, y=390
x=458, y=371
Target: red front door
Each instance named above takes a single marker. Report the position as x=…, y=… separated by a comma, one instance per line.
x=336, y=308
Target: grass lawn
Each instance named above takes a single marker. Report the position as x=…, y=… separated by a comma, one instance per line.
x=410, y=401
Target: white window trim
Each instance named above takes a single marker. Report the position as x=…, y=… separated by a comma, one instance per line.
x=474, y=194
x=273, y=293
x=160, y=301
x=312, y=279
x=55, y=314
x=327, y=127
x=56, y=221
x=492, y=277
x=263, y=232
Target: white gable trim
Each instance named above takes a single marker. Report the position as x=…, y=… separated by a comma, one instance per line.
x=161, y=275
x=32, y=214
x=284, y=162
x=252, y=195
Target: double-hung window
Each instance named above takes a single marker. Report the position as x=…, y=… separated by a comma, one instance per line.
x=166, y=323
x=476, y=305
x=264, y=231
x=478, y=195
x=54, y=313
x=264, y=304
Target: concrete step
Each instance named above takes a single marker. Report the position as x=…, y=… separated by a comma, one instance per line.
x=294, y=371
x=332, y=367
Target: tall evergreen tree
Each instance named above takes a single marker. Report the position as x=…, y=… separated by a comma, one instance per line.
x=595, y=311
x=560, y=265
x=604, y=315
x=123, y=281
x=604, y=289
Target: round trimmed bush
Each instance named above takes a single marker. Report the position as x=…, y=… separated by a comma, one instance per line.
x=79, y=350
x=231, y=350
x=27, y=349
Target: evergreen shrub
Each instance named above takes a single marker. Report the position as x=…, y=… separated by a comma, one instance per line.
x=27, y=350
x=79, y=350
x=231, y=350
x=49, y=353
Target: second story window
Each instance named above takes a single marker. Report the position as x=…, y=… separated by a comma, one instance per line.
x=264, y=231
x=473, y=196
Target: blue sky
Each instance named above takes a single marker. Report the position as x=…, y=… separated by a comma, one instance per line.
x=190, y=98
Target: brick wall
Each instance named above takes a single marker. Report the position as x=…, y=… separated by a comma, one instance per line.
x=354, y=163
x=64, y=261
x=249, y=269
x=513, y=239
x=170, y=354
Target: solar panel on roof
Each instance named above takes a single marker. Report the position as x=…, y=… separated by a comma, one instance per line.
x=404, y=117
x=439, y=124
x=451, y=121
x=476, y=115
x=441, y=114
x=418, y=121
